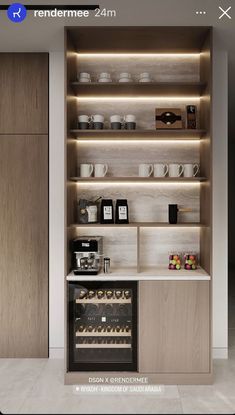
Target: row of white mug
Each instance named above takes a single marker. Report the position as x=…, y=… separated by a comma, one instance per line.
x=145, y=170
x=106, y=77
x=100, y=118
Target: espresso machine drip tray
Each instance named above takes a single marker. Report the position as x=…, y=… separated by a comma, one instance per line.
x=85, y=271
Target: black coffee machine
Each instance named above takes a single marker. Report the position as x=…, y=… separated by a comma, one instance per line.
x=87, y=254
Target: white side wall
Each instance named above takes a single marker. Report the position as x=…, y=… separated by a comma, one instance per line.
x=56, y=215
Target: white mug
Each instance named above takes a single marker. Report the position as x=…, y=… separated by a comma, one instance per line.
x=129, y=118
x=101, y=170
x=104, y=75
x=97, y=118
x=145, y=170
x=191, y=170
x=83, y=118
x=125, y=75
x=160, y=170
x=144, y=75
x=84, y=75
x=176, y=170
x=86, y=170
x=115, y=118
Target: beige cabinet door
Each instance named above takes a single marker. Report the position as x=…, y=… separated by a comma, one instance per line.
x=23, y=93
x=174, y=327
x=24, y=246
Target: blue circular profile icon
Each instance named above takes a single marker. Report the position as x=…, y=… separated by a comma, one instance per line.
x=16, y=12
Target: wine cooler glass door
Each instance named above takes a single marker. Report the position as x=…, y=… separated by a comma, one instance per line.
x=102, y=326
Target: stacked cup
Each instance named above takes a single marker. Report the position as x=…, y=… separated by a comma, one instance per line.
x=84, y=77
x=145, y=77
x=125, y=77
x=104, y=77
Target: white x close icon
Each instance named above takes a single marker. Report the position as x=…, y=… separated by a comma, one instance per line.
x=225, y=12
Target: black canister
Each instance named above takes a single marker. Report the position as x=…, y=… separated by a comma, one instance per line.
x=173, y=214
x=122, y=211
x=106, y=213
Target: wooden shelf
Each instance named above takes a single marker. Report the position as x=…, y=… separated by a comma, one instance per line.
x=103, y=334
x=183, y=134
x=104, y=301
x=103, y=346
x=135, y=89
x=138, y=225
x=152, y=273
x=134, y=179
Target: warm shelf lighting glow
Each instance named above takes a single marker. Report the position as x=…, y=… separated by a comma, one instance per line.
x=139, y=55
x=137, y=141
x=137, y=98
x=133, y=183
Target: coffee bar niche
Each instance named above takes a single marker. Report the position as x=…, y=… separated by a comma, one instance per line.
x=168, y=337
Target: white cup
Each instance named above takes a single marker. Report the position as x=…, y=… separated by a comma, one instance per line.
x=100, y=170
x=104, y=75
x=191, y=170
x=144, y=75
x=86, y=170
x=129, y=118
x=116, y=118
x=97, y=118
x=160, y=170
x=176, y=170
x=83, y=118
x=125, y=75
x=145, y=170
x=84, y=75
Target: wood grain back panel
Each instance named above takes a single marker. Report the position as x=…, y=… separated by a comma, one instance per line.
x=24, y=246
x=23, y=93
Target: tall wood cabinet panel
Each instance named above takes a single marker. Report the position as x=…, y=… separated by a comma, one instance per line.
x=24, y=246
x=23, y=93
x=174, y=329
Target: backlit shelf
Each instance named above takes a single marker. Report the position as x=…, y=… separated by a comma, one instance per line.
x=128, y=89
x=153, y=135
x=138, y=225
x=134, y=179
x=103, y=346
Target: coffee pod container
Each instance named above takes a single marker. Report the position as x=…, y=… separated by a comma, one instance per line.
x=190, y=262
x=175, y=261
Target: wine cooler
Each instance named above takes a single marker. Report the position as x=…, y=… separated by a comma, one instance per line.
x=102, y=326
